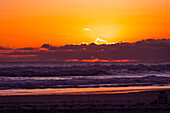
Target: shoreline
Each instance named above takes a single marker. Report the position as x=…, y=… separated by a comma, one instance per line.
x=79, y=103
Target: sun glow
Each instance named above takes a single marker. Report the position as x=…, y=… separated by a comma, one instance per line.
x=61, y=22
x=100, y=41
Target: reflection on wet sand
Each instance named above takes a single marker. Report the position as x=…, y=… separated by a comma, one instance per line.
x=80, y=91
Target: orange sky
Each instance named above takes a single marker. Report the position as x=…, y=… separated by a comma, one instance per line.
x=26, y=23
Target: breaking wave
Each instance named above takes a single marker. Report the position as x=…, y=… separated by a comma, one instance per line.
x=80, y=75
x=80, y=69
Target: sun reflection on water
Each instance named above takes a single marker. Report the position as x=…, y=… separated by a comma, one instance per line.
x=80, y=91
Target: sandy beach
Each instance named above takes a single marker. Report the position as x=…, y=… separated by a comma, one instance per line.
x=108, y=103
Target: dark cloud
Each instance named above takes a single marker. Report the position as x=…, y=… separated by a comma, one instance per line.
x=27, y=48
x=48, y=46
x=149, y=50
x=5, y=48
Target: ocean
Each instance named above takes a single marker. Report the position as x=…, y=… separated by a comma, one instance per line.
x=71, y=78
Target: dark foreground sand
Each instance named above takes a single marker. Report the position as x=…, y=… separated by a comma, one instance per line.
x=141, y=102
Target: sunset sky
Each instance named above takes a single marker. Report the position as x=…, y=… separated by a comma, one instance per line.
x=31, y=23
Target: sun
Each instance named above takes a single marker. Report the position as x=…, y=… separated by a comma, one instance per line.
x=100, y=41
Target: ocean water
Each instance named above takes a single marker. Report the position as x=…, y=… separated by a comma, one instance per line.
x=24, y=76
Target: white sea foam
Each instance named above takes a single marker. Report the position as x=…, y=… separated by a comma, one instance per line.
x=77, y=75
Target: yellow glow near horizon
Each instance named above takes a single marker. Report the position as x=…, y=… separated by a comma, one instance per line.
x=100, y=41
x=27, y=23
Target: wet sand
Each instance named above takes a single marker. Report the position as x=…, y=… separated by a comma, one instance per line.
x=138, y=102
